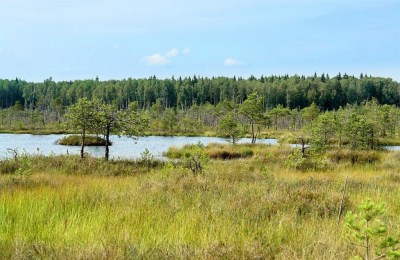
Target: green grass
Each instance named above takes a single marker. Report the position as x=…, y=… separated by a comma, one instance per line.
x=389, y=141
x=254, y=207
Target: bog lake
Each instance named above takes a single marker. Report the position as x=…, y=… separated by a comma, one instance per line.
x=122, y=147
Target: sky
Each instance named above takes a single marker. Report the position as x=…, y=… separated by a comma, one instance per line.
x=116, y=39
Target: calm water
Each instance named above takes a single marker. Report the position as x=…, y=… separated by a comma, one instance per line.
x=391, y=148
x=122, y=147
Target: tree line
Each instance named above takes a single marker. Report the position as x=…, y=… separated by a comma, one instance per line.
x=355, y=113
x=328, y=93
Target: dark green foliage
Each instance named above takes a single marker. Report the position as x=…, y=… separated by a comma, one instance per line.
x=229, y=126
x=84, y=118
x=252, y=110
x=291, y=92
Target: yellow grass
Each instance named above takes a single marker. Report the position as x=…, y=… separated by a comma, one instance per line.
x=245, y=208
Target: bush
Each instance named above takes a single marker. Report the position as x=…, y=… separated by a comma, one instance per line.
x=89, y=140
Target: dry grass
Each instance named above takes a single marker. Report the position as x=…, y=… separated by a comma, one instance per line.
x=246, y=208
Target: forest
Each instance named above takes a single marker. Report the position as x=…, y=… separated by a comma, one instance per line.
x=360, y=113
x=289, y=91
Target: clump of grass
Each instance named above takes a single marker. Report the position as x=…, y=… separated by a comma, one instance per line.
x=89, y=140
x=353, y=156
x=220, y=151
x=391, y=160
x=226, y=152
x=9, y=166
x=174, y=152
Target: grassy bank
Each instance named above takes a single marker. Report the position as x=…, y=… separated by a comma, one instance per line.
x=254, y=207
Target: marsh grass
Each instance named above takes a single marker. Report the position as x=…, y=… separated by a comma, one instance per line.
x=354, y=156
x=253, y=207
x=224, y=151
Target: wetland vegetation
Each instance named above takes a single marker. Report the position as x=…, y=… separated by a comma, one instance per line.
x=208, y=201
x=257, y=206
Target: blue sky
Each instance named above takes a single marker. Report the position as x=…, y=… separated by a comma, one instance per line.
x=114, y=39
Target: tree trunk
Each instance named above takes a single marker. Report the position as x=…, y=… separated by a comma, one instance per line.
x=83, y=142
x=253, y=138
x=107, y=142
x=303, y=149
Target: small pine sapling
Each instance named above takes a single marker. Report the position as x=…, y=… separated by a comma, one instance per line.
x=367, y=230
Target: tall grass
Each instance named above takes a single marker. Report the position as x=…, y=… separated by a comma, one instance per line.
x=248, y=208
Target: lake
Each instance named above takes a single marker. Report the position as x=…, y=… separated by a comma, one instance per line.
x=123, y=148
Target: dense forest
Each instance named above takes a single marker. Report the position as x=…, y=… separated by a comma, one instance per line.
x=288, y=91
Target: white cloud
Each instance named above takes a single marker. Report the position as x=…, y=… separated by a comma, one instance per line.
x=172, y=53
x=156, y=59
x=164, y=59
x=233, y=62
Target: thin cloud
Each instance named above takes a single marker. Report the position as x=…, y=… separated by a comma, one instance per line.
x=233, y=62
x=164, y=59
x=172, y=53
x=156, y=59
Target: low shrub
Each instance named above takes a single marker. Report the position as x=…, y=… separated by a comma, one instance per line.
x=89, y=140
